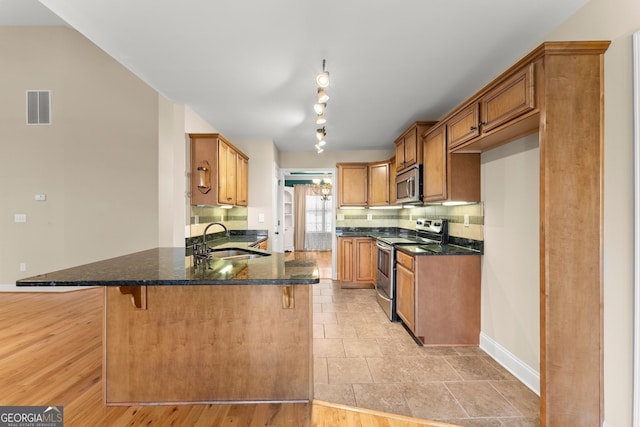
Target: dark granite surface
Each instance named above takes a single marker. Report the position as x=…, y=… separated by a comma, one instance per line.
x=456, y=246
x=174, y=266
x=436, y=249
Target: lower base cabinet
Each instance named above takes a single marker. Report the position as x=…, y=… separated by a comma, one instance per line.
x=356, y=262
x=438, y=298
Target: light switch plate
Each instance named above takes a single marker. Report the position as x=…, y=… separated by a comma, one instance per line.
x=20, y=218
x=260, y=217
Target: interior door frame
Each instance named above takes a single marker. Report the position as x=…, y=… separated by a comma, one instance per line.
x=636, y=233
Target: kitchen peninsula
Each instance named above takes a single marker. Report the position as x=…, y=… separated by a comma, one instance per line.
x=230, y=330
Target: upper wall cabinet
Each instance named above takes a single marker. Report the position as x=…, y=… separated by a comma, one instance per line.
x=448, y=176
x=509, y=99
x=353, y=184
x=379, y=184
x=219, y=171
x=365, y=184
x=409, y=146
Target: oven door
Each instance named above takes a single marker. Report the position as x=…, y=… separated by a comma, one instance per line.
x=384, y=278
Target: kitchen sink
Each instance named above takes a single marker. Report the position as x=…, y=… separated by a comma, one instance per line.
x=236, y=253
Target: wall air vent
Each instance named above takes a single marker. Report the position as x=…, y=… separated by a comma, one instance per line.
x=38, y=107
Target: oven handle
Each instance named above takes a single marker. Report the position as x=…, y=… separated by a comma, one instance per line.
x=383, y=246
x=382, y=296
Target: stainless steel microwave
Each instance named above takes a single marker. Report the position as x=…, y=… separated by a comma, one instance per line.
x=409, y=186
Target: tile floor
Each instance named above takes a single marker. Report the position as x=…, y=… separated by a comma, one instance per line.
x=364, y=360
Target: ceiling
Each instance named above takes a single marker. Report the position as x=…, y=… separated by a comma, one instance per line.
x=248, y=67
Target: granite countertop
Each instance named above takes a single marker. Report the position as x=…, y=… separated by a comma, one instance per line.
x=456, y=246
x=174, y=266
x=437, y=249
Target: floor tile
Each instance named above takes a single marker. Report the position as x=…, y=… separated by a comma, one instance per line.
x=432, y=401
x=475, y=368
x=328, y=347
x=348, y=370
x=324, y=318
x=335, y=393
x=390, y=370
x=363, y=359
x=431, y=368
x=318, y=330
x=382, y=397
x=361, y=347
x=520, y=396
x=320, y=373
x=339, y=331
x=480, y=399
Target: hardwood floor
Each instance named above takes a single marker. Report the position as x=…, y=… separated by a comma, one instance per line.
x=51, y=354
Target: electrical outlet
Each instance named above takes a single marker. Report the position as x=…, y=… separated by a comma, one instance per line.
x=340, y=217
x=23, y=267
x=369, y=217
x=466, y=220
x=260, y=217
x=40, y=197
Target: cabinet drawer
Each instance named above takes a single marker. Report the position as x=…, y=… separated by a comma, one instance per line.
x=404, y=259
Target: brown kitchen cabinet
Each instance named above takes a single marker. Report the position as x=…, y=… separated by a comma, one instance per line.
x=219, y=172
x=448, y=176
x=356, y=262
x=242, y=190
x=405, y=299
x=509, y=99
x=409, y=145
x=379, y=184
x=438, y=298
x=353, y=184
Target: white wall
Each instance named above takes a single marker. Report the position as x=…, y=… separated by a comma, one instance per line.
x=510, y=314
x=97, y=162
x=262, y=156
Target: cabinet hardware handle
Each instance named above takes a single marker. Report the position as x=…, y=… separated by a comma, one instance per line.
x=473, y=128
x=482, y=123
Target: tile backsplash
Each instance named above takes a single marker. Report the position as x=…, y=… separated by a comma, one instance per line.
x=406, y=218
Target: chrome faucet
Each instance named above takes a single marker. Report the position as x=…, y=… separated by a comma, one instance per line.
x=200, y=250
x=204, y=233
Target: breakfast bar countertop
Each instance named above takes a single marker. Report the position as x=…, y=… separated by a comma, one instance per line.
x=174, y=266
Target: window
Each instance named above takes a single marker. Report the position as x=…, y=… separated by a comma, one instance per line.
x=318, y=215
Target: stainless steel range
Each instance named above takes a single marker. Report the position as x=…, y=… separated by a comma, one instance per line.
x=427, y=231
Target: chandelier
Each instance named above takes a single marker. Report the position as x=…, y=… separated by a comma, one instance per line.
x=322, y=81
x=322, y=188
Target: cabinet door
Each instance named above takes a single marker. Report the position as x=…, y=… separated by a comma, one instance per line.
x=399, y=154
x=364, y=259
x=203, y=174
x=508, y=100
x=352, y=179
x=226, y=174
x=242, y=190
x=463, y=126
x=435, y=166
x=411, y=148
x=345, y=259
x=404, y=295
x=379, y=184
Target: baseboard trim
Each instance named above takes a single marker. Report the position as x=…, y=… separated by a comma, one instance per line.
x=20, y=289
x=529, y=376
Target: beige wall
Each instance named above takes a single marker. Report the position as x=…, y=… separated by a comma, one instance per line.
x=510, y=313
x=97, y=162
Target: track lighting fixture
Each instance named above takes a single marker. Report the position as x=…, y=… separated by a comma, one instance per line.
x=322, y=96
x=323, y=78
